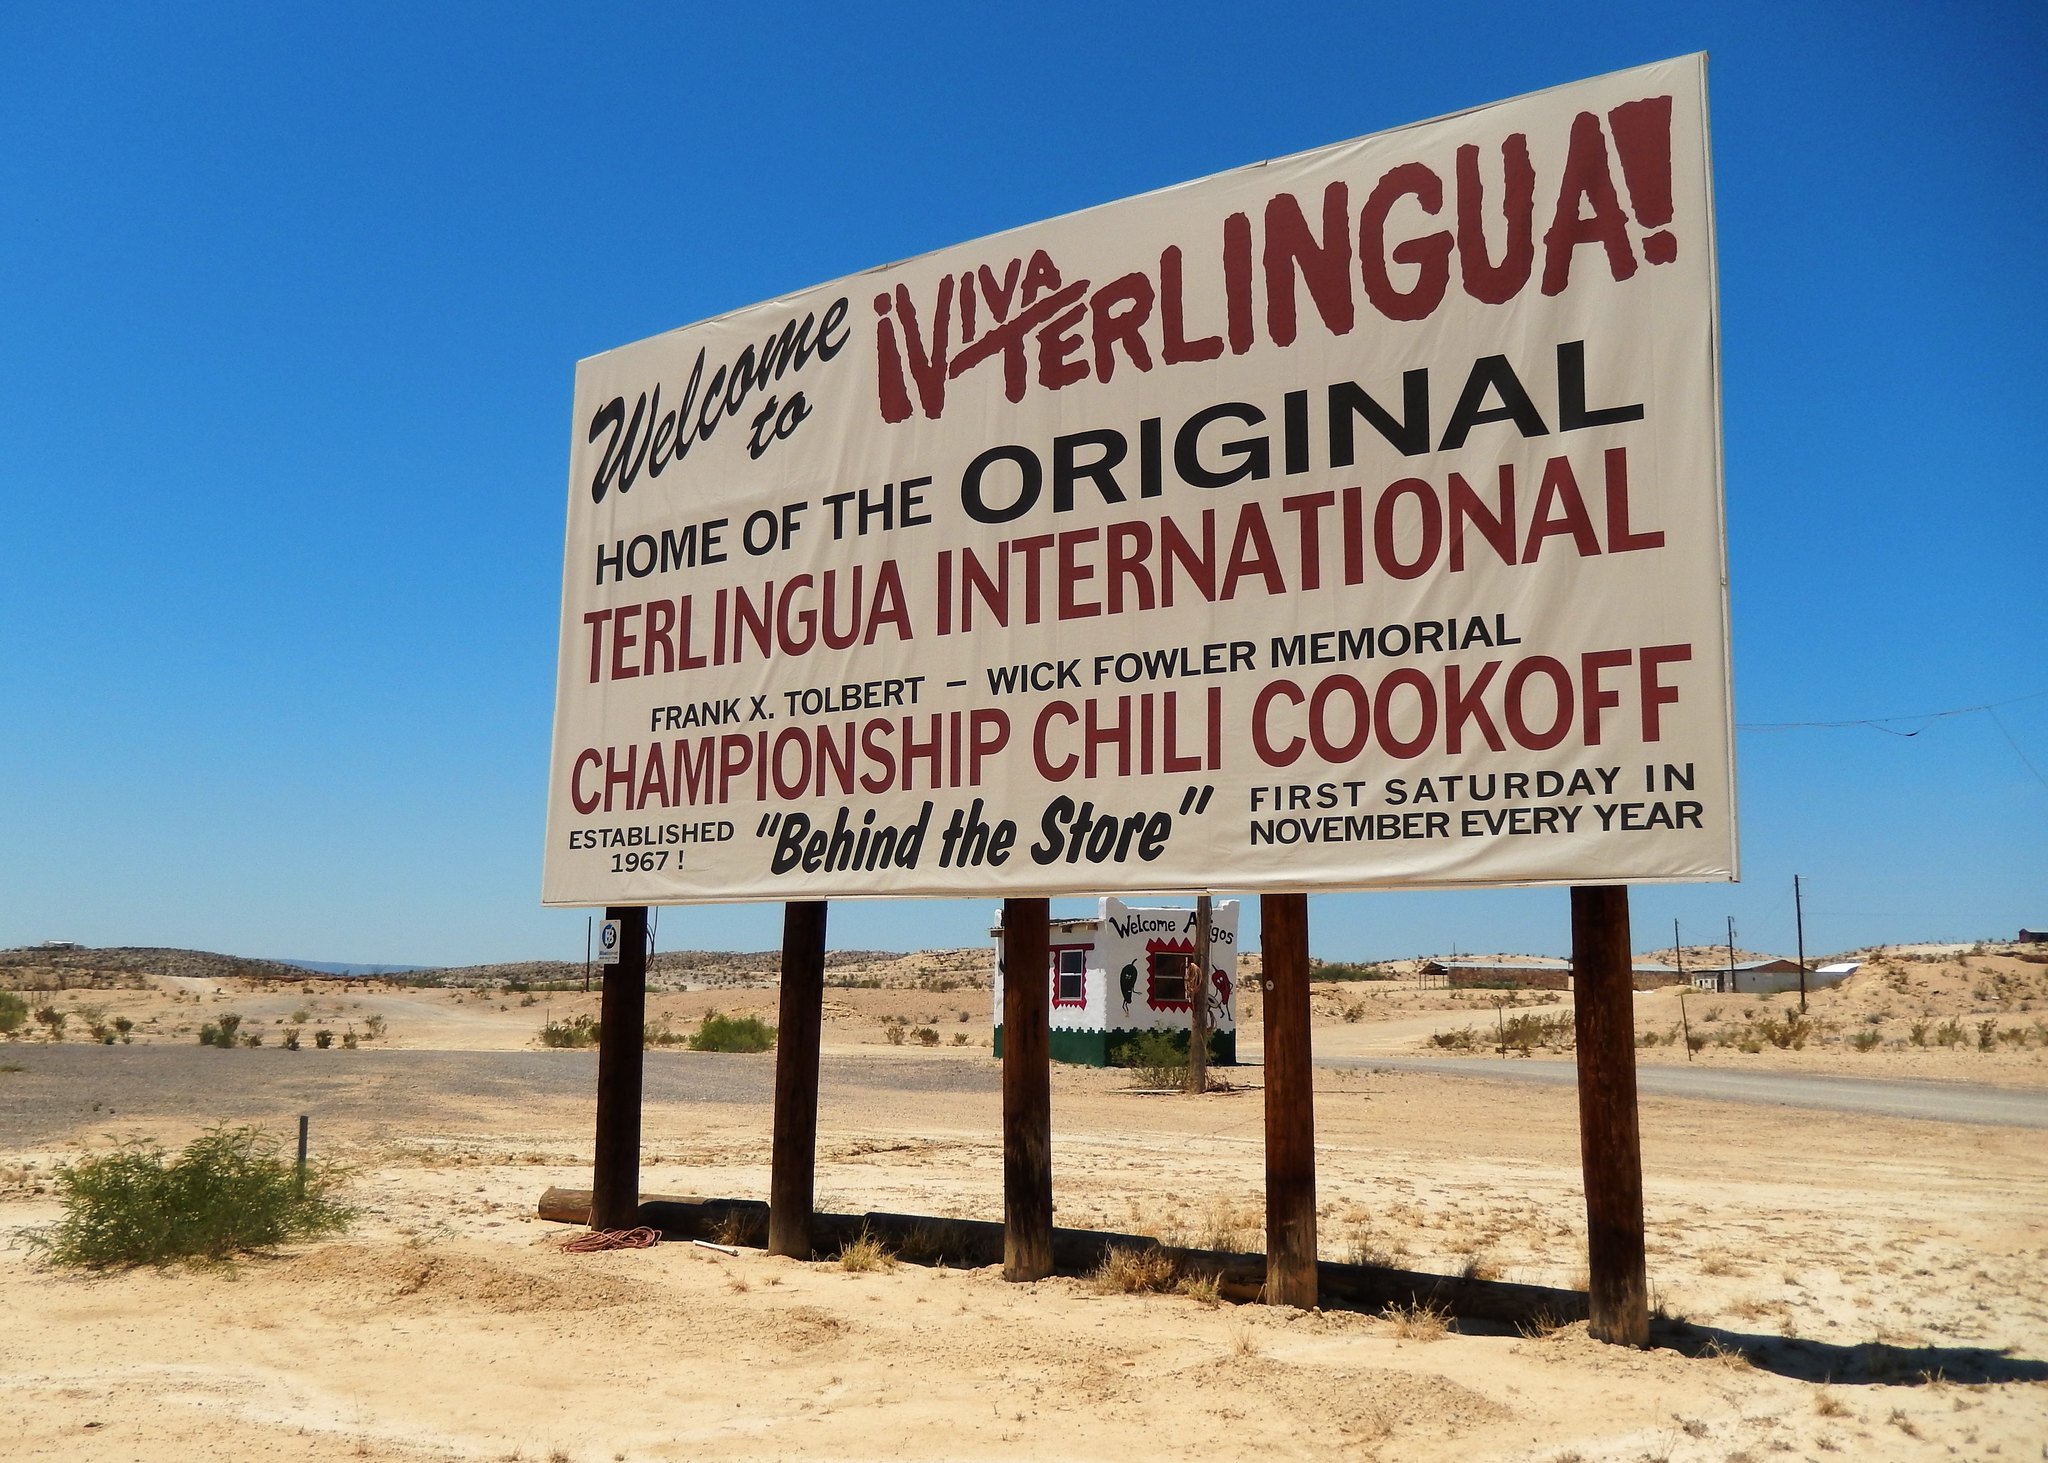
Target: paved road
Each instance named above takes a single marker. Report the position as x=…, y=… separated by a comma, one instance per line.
x=1942, y=1102
x=47, y=1092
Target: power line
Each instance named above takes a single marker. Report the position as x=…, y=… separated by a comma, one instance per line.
x=1882, y=722
x=1999, y=722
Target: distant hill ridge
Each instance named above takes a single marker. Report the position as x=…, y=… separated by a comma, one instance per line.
x=80, y=965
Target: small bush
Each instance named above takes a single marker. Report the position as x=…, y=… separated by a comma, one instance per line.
x=1949, y=1033
x=894, y=1032
x=1418, y=1321
x=227, y=1193
x=13, y=1013
x=1526, y=1032
x=373, y=1029
x=1346, y=970
x=1133, y=1272
x=1203, y=1289
x=925, y=1036
x=1464, y=1039
x=716, y=1033
x=1154, y=1057
x=960, y=1038
x=1987, y=1034
x=864, y=1252
x=53, y=1019
x=1865, y=1041
x=323, y=1038
x=1792, y=1032
x=577, y=1031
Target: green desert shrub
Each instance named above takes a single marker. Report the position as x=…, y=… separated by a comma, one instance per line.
x=577, y=1031
x=1791, y=1032
x=716, y=1033
x=1347, y=970
x=227, y=1193
x=1527, y=1031
x=13, y=1013
x=1154, y=1057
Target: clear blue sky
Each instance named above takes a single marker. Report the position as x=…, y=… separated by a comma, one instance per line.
x=291, y=297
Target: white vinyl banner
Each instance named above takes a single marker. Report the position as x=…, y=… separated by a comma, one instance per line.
x=1347, y=521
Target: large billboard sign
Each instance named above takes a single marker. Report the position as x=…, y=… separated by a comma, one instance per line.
x=1347, y=521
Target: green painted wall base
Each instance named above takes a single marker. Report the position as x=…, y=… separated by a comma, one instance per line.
x=1092, y=1048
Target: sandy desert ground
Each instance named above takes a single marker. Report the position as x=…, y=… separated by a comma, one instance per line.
x=1831, y=1285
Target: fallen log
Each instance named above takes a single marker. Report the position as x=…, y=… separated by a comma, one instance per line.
x=922, y=1239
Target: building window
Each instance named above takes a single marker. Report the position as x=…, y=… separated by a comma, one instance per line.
x=1070, y=975
x=1167, y=979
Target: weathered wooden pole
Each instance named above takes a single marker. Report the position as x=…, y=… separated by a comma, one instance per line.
x=1198, y=998
x=1290, y=1104
x=1027, y=1089
x=1610, y=1143
x=793, y=1165
x=621, y=1038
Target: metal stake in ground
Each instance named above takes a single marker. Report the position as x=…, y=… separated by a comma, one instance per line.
x=1799, y=921
x=622, y=1026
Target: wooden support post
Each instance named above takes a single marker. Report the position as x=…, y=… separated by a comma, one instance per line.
x=1290, y=1104
x=793, y=1166
x=1027, y=1090
x=1610, y=1144
x=622, y=1018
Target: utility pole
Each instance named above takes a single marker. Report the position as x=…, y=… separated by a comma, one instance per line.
x=1198, y=1000
x=1799, y=920
x=1731, y=954
x=1678, y=952
x=587, y=920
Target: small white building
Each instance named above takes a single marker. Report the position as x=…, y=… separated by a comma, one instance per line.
x=1126, y=972
x=1768, y=977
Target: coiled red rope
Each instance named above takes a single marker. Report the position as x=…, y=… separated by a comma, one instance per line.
x=612, y=1239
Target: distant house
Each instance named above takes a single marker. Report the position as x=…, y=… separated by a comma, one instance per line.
x=2034, y=937
x=1128, y=971
x=1536, y=974
x=1540, y=975
x=1768, y=977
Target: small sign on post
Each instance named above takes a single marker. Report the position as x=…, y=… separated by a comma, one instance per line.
x=608, y=942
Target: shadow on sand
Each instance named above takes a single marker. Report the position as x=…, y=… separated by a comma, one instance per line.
x=1866, y=1364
